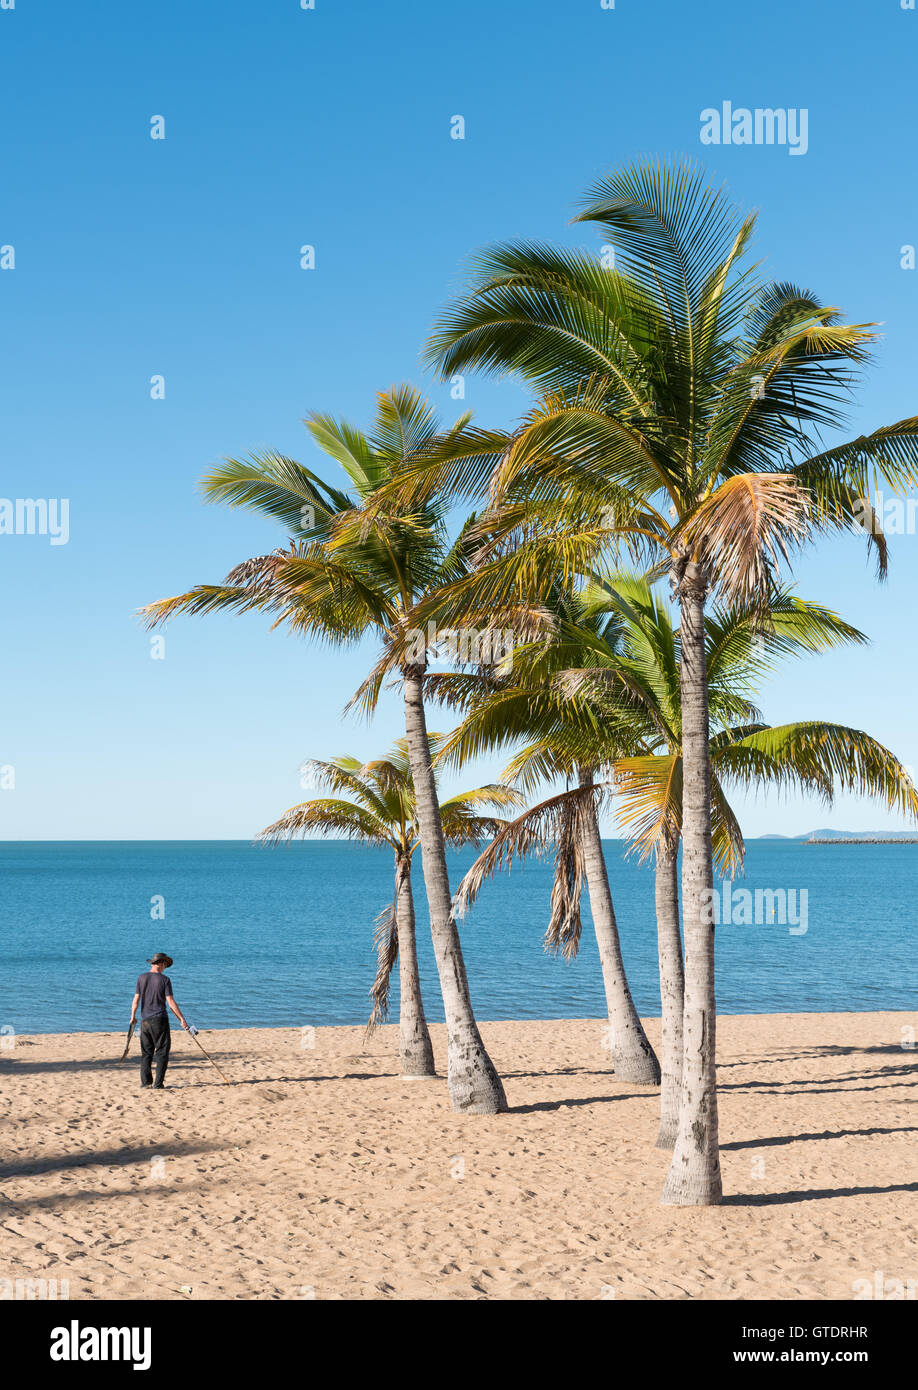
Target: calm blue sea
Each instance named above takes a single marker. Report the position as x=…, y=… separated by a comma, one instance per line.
x=283, y=936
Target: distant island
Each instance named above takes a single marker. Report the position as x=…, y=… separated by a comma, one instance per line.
x=849, y=837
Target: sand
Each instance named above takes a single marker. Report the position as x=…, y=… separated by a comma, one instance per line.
x=321, y=1173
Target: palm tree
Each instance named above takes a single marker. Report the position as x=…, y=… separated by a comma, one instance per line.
x=379, y=809
x=681, y=402
x=520, y=702
x=622, y=658
x=815, y=756
x=346, y=575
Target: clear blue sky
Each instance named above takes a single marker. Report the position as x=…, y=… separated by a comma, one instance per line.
x=180, y=257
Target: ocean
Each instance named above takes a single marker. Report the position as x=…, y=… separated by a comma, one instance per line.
x=284, y=936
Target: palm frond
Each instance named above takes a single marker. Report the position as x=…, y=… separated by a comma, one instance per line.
x=743, y=532
x=556, y=821
x=823, y=757
x=327, y=815
x=204, y=598
x=841, y=479
x=385, y=940
x=277, y=486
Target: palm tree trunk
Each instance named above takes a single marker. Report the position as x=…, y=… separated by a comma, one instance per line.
x=633, y=1057
x=694, y=1174
x=672, y=989
x=414, y=1044
x=474, y=1084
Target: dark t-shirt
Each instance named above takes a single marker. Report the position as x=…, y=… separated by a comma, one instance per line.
x=153, y=989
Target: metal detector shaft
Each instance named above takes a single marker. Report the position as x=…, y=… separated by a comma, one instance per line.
x=210, y=1059
x=128, y=1043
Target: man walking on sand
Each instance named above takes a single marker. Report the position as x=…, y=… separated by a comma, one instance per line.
x=154, y=992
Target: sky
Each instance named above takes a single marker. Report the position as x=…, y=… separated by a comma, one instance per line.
x=179, y=258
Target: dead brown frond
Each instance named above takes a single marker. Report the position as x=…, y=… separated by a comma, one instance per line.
x=744, y=531
x=385, y=939
x=565, y=925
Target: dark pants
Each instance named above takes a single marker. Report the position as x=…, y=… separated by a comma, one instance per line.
x=155, y=1041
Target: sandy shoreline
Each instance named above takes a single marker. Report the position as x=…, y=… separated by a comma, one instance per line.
x=321, y=1173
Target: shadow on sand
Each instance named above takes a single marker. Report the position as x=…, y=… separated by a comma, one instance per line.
x=826, y=1134
x=102, y=1158
x=790, y=1054
x=815, y=1194
x=651, y=1093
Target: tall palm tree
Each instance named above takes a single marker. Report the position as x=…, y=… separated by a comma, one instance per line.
x=815, y=756
x=379, y=808
x=622, y=655
x=681, y=402
x=347, y=575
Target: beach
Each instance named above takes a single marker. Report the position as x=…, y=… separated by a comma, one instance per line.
x=320, y=1173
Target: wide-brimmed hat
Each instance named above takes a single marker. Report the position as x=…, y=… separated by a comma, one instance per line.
x=160, y=959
